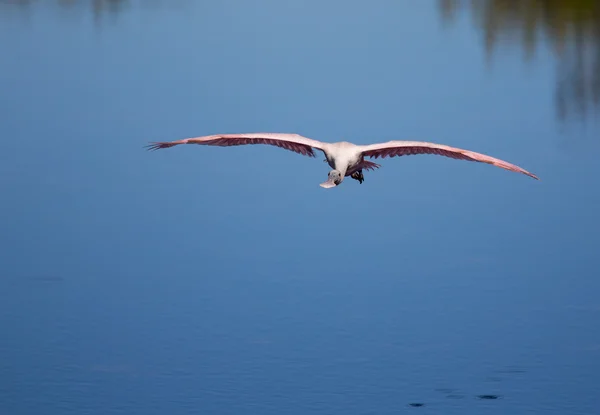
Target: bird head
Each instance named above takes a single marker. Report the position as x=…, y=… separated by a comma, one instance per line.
x=333, y=179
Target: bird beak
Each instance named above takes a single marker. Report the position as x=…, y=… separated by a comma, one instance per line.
x=328, y=184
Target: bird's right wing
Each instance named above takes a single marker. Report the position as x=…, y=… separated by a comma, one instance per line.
x=293, y=142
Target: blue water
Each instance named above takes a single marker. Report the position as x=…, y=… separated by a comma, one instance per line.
x=225, y=280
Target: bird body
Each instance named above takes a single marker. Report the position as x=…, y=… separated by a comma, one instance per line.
x=344, y=158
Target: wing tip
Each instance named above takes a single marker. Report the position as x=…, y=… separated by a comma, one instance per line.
x=523, y=171
x=156, y=145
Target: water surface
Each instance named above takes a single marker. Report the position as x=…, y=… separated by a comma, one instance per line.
x=226, y=281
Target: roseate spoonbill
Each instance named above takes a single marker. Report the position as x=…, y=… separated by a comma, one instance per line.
x=346, y=159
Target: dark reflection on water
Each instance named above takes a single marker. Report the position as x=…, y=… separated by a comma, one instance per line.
x=572, y=28
x=488, y=396
x=99, y=8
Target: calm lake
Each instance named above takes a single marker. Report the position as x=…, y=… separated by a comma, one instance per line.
x=224, y=280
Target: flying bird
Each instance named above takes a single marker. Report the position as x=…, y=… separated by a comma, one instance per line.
x=344, y=158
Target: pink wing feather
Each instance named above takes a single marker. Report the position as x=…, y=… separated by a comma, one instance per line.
x=292, y=142
x=406, y=148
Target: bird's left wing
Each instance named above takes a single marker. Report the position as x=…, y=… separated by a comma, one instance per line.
x=292, y=142
x=406, y=148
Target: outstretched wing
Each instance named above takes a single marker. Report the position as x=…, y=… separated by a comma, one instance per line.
x=407, y=148
x=292, y=142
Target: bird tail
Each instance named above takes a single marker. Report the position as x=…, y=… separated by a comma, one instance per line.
x=369, y=165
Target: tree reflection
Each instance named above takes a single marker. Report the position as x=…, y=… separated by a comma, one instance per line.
x=98, y=7
x=572, y=28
